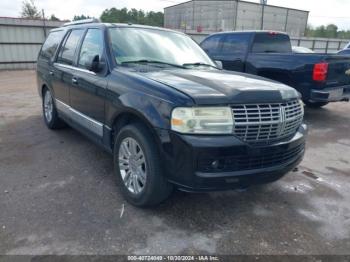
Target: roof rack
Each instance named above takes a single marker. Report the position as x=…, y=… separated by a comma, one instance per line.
x=83, y=21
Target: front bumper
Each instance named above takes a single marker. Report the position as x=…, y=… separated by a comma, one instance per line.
x=330, y=94
x=210, y=163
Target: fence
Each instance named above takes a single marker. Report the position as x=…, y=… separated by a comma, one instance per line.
x=319, y=45
x=20, y=41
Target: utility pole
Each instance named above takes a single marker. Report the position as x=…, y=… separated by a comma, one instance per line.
x=43, y=14
x=263, y=3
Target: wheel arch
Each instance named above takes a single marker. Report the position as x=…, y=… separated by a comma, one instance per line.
x=128, y=117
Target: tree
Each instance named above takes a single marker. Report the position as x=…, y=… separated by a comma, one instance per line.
x=29, y=10
x=329, y=31
x=114, y=15
x=81, y=17
x=54, y=18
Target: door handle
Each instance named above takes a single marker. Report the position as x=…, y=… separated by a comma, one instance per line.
x=74, y=80
x=51, y=72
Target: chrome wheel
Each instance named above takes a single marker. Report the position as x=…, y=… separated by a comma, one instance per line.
x=48, y=106
x=132, y=165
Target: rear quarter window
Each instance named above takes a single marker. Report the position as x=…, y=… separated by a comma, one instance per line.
x=51, y=44
x=271, y=43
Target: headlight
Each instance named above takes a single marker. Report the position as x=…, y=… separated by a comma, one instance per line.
x=202, y=120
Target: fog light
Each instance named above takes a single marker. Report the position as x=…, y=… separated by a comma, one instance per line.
x=215, y=164
x=218, y=164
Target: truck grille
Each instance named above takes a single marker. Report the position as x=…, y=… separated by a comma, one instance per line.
x=265, y=123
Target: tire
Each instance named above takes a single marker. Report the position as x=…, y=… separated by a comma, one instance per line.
x=140, y=178
x=50, y=114
x=315, y=104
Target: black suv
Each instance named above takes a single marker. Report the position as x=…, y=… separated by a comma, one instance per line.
x=170, y=117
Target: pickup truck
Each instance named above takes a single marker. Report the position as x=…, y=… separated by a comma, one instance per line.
x=320, y=78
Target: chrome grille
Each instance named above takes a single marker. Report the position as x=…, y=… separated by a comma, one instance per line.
x=267, y=122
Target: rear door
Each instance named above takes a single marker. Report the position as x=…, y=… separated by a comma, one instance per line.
x=234, y=49
x=62, y=71
x=230, y=49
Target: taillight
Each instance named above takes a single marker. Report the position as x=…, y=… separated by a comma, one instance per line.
x=320, y=72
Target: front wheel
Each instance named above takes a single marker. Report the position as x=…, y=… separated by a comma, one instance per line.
x=315, y=104
x=137, y=164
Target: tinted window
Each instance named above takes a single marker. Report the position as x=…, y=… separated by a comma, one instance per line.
x=344, y=52
x=235, y=43
x=212, y=44
x=49, y=47
x=67, y=51
x=92, y=46
x=271, y=43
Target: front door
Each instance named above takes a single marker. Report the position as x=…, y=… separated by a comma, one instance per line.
x=87, y=92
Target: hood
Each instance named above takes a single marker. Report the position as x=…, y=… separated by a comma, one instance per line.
x=222, y=87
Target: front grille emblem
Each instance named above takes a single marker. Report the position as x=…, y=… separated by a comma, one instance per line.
x=282, y=120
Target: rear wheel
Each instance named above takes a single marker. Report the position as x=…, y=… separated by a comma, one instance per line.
x=137, y=165
x=315, y=104
x=51, y=118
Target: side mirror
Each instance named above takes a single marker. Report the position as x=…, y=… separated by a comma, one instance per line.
x=219, y=64
x=94, y=64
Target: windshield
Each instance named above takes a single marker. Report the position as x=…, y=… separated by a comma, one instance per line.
x=141, y=44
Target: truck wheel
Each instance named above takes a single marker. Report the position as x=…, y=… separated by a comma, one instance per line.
x=138, y=167
x=51, y=118
x=315, y=104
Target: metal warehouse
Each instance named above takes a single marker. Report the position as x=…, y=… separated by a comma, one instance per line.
x=227, y=15
x=20, y=41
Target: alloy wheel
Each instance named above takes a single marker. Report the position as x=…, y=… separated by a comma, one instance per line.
x=132, y=165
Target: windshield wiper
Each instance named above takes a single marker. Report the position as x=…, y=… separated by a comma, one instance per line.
x=199, y=64
x=151, y=62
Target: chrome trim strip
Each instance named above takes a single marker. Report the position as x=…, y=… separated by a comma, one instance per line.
x=83, y=120
x=74, y=68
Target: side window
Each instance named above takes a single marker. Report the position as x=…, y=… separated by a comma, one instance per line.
x=212, y=44
x=67, y=52
x=235, y=44
x=52, y=42
x=271, y=43
x=92, y=46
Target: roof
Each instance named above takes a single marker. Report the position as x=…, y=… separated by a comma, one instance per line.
x=236, y=1
x=250, y=31
x=93, y=24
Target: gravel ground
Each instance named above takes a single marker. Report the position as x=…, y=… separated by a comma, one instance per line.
x=58, y=195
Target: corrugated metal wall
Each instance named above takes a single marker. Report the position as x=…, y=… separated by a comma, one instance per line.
x=20, y=41
x=228, y=15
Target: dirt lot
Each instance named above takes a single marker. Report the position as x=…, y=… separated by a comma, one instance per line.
x=58, y=195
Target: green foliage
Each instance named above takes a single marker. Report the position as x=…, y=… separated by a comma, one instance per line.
x=329, y=31
x=80, y=17
x=54, y=18
x=114, y=15
x=29, y=10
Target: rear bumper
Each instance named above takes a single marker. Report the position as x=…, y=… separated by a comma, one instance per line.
x=188, y=161
x=330, y=94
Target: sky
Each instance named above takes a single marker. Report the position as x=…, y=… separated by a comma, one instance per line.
x=321, y=12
